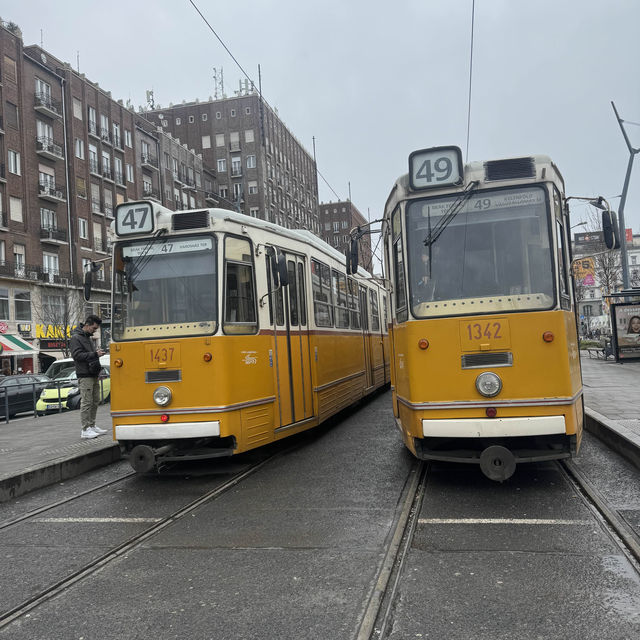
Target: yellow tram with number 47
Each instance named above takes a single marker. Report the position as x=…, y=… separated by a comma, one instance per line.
x=230, y=332
x=485, y=354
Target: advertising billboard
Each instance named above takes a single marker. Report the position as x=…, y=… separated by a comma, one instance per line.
x=626, y=318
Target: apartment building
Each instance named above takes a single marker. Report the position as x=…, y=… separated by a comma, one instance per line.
x=70, y=153
x=262, y=170
x=337, y=219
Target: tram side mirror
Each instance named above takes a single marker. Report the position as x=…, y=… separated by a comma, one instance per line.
x=353, y=259
x=610, y=230
x=273, y=264
x=282, y=270
x=88, y=278
x=347, y=261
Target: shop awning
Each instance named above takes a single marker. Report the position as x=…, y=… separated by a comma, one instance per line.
x=11, y=345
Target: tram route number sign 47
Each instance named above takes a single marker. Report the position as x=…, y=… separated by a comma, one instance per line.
x=133, y=218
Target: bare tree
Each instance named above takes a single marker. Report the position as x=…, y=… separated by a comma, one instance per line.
x=607, y=267
x=59, y=310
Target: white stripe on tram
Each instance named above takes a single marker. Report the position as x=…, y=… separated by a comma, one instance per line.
x=98, y=519
x=548, y=521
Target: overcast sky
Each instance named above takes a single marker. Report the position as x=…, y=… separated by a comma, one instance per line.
x=372, y=80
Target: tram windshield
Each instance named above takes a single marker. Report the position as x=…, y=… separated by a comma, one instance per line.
x=493, y=256
x=165, y=287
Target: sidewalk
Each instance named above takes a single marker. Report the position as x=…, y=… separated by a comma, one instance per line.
x=36, y=452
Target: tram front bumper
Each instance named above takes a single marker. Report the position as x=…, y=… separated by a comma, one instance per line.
x=168, y=430
x=494, y=427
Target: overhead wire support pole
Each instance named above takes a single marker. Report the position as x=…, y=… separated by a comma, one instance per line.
x=623, y=199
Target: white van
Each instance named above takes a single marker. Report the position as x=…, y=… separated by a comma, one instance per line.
x=56, y=367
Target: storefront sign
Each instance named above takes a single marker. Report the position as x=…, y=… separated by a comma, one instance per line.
x=53, y=344
x=54, y=331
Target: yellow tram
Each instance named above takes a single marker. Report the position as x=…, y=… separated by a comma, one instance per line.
x=485, y=356
x=229, y=333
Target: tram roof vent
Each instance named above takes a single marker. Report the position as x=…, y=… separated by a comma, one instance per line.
x=510, y=169
x=190, y=220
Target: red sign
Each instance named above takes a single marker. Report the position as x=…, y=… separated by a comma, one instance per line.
x=628, y=234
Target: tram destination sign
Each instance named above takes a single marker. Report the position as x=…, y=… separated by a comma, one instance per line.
x=435, y=167
x=175, y=245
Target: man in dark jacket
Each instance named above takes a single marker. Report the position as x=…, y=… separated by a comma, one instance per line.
x=87, y=361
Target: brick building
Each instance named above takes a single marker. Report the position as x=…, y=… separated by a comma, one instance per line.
x=262, y=170
x=70, y=153
x=337, y=219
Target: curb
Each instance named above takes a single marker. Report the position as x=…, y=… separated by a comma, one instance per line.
x=56, y=471
x=616, y=436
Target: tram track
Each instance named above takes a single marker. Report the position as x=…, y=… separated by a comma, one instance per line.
x=623, y=535
x=9, y=616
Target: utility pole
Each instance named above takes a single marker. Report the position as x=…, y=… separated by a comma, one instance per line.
x=623, y=199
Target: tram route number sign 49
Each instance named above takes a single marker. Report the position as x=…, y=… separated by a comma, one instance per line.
x=134, y=218
x=435, y=167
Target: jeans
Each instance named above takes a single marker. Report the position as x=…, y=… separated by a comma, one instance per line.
x=89, y=400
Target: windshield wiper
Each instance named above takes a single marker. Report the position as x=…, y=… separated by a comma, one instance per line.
x=450, y=214
x=133, y=267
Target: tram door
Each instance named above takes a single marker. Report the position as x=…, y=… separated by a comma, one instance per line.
x=366, y=338
x=292, y=349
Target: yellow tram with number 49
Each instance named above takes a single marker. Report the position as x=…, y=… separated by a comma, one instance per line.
x=485, y=354
x=230, y=332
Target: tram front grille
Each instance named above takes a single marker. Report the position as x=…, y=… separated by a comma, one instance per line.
x=191, y=220
x=509, y=169
x=166, y=375
x=481, y=360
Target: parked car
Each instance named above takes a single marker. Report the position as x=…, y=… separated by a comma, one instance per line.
x=59, y=365
x=20, y=391
x=62, y=392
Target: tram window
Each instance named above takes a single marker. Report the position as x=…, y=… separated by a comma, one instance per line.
x=239, y=294
x=562, y=266
x=293, y=294
x=385, y=313
x=339, y=284
x=321, y=286
x=363, y=307
x=354, y=303
x=302, y=297
x=375, y=315
x=275, y=297
x=401, y=293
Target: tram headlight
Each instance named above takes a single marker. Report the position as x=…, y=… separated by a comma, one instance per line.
x=162, y=396
x=488, y=384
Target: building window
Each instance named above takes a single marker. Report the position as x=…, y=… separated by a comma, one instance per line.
x=336, y=227
x=83, y=228
x=253, y=187
x=48, y=219
x=345, y=224
x=10, y=69
x=117, y=140
x=164, y=123
x=233, y=113
x=127, y=138
x=79, y=147
x=14, y=162
x=81, y=187
x=206, y=142
x=218, y=115
x=251, y=162
x=11, y=115
x=236, y=166
x=22, y=300
x=248, y=135
x=129, y=169
x=77, y=108
x=219, y=139
x=191, y=119
x=237, y=190
x=247, y=110
x=222, y=165
x=253, y=212
x=223, y=191
x=4, y=303
x=50, y=263
x=204, y=117
x=178, y=120
x=15, y=209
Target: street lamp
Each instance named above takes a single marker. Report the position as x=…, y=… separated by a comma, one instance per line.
x=580, y=224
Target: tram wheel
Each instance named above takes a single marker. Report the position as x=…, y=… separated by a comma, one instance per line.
x=142, y=458
x=497, y=463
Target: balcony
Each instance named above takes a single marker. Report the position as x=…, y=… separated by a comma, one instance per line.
x=107, y=173
x=54, y=276
x=210, y=197
x=53, y=235
x=117, y=141
x=99, y=244
x=46, y=105
x=105, y=136
x=189, y=183
x=236, y=172
x=93, y=166
x=234, y=146
x=177, y=176
x=149, y=161
x=92, y=128
x=108, y=210
x=119, y=177
x=150, y=192
x=47, y=148
x=20, y=270
x=51, y=192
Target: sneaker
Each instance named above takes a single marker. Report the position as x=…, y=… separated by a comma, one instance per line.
x=98, y=430
x=89, y=433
